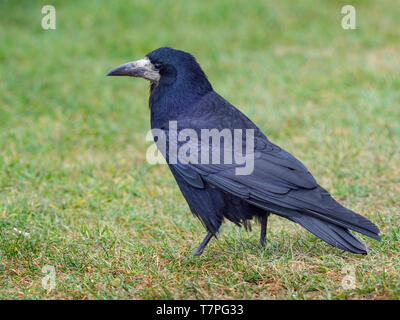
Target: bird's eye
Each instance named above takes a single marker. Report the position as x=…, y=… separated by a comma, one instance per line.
x=157, y=65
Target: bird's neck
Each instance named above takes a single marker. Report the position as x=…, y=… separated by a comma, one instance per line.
x=169, y=103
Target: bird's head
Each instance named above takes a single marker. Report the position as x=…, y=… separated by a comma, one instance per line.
x=166, y=67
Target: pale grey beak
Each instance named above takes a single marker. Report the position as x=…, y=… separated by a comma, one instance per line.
x=141, y=69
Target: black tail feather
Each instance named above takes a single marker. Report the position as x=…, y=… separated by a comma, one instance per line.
x=334, y=235
x=333, y=231
x=346, y=224
x=319, y=204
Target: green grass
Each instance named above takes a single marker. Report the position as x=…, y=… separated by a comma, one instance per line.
x=73, y=172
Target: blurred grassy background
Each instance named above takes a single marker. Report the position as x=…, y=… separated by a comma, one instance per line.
x=73, y=173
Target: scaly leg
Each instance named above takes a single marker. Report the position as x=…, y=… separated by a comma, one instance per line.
x=202, y=246
x=263, y=233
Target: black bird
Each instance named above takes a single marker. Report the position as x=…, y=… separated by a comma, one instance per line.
x=279, y=183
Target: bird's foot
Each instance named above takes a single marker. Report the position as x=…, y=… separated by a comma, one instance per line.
x=201, y=247
x=196, y=253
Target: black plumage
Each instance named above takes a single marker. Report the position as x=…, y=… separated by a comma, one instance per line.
x=280, y=184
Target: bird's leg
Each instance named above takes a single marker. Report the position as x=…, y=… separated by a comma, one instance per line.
x=263, y=233
x=202, y=246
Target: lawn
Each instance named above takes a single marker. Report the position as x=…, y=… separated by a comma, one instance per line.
x=76, y=192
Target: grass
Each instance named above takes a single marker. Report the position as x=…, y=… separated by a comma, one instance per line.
x=77, y=194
